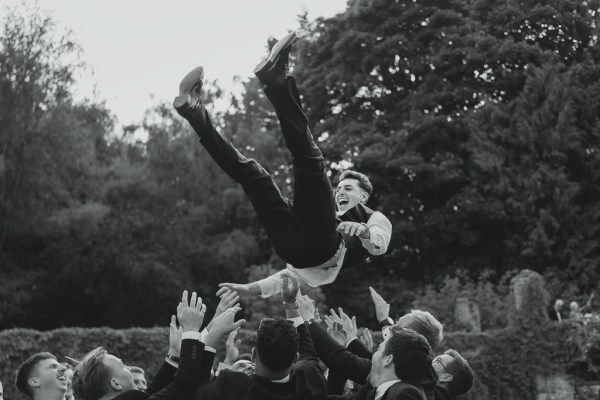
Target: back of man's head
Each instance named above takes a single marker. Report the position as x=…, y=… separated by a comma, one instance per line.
x=26, y=370
x=277, y=343
x=91, y=378
x=462, y=374
x=425, y=324
x=363, y=181
x=411, y=353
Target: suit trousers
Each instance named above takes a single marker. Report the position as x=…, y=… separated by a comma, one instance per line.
x=303, y=231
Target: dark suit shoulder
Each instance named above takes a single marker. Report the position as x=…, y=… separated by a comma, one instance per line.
x=132, y=395
x=405, y=391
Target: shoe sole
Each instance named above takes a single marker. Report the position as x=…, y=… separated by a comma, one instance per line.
x=285, y=43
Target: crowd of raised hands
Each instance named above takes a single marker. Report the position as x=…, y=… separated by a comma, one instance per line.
x=302, y=355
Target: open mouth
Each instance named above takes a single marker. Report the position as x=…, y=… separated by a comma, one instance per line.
x=62, y=378
x=342, y=202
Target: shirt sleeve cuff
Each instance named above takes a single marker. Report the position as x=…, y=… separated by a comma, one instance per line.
x=297, y=321
x=173, y=363
x=211, y=349
x=348, y=344
x=191, y=335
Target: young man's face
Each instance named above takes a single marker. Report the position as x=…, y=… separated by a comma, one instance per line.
x=139, y=380
x=348, y=194
x=440, y=365
x=120, y=372
x=51, y=375
x=378, y=363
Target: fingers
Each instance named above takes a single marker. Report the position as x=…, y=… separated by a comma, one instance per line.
x=334, y=315
x=328, y=321
x=223, y=289
x=239, y=323
x=237, y=342
x=232, y=335
x=354, y=323
x=184, y=299
x=173, y=321
x=194, y=300
x=376, y=297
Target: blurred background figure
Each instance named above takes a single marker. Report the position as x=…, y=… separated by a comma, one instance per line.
x=139, y=377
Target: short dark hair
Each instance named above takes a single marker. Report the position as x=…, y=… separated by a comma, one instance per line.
x=411, y=352
x=277, y=342
x=91, y=377
x=25, y=370
x=363, y=181
x=462, y=374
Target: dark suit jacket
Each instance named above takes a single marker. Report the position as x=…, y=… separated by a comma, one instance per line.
x=398, y=391
x=171, y=383
x=306, y=380
x=443, y=394
x=353, y=367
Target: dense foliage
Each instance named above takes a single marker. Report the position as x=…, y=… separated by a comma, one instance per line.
x=478, y=122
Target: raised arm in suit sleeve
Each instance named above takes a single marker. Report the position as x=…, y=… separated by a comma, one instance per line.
x=163, y=377
x=185, y=380
x=306, y=347
x=357, y=347
x=338, y=357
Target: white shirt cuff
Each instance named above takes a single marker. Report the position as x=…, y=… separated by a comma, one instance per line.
x=297, y=321
x=191, y=335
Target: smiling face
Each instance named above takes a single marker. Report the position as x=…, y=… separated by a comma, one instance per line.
x=49, y=375
x=348, y=194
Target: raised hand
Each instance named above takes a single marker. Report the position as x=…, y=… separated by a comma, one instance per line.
x=223, y=325
x=228, y=299
x=337, y=333
x=174, y=337
x=308, y=310
x=382, y=308
x=190, y=314
x=232, y=348
x=348, y=326
x=367, y=339
x=289, y=291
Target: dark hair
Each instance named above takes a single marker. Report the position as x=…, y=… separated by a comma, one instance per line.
x=26, y=368
x=411, y=352
x=363, y=181
x=245, y=356
x=276, y=343
x=462, y=374
x=91, y=377
x=136, y=370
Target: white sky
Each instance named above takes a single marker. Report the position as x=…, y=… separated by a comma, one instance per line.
x=140, y=49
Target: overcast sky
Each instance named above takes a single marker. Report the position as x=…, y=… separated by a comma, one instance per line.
x=140, y=49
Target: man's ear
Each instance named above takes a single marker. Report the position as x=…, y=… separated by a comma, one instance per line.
x=34, y=382
x=297, y=357
x=116, y=385
x=364, y=197
x=253, y=358
x=445, y=377
x=388, y=360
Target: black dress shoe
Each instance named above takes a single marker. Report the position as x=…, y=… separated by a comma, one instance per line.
x=190, y=90
x=273, y=68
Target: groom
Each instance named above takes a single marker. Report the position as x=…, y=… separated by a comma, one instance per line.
x=308, y=234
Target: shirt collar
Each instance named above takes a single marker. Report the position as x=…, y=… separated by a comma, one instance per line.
x=282, y=380
x=381, y=389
